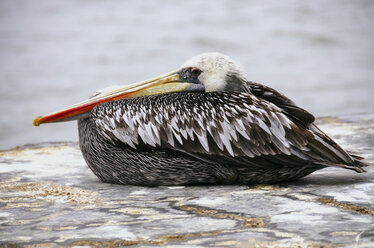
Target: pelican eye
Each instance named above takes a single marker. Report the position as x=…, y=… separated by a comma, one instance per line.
x=195, y=71
x=190, y=75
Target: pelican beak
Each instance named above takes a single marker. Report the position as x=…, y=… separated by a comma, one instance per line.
x=163, y=84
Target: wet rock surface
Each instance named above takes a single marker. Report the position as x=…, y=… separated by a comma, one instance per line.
x=49, y=198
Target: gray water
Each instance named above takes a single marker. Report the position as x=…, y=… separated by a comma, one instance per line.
x=55, y=53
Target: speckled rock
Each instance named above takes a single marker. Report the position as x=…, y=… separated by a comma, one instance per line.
x=49, y=198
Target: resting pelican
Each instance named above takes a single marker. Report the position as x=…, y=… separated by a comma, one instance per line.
x=204, y=123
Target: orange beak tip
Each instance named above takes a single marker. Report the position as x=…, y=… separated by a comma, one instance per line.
x=36, y=121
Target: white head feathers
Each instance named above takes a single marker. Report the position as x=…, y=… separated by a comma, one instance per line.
x=215, y=68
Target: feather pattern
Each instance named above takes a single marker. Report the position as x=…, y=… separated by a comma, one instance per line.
x=219, y=130
x=230, y=126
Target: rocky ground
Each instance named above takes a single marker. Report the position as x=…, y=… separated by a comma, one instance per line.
x=49, y=198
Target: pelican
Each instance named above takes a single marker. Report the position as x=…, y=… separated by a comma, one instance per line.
x=204, y=123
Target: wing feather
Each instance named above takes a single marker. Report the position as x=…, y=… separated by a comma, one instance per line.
x=221, y=126
x=280, y=100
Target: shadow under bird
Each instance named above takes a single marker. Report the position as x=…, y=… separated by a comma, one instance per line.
x=204, y=123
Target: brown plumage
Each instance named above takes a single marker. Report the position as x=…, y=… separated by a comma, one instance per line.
x=215, y=137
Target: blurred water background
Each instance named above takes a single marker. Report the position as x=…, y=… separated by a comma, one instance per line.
x=55, y=53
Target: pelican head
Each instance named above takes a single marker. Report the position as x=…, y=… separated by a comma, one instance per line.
x=207, y=72
x=215, y=71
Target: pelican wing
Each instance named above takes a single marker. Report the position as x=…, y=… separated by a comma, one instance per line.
x=232, y=127
x=280, y=100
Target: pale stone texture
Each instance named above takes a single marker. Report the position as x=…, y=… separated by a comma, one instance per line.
x=48, y=197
